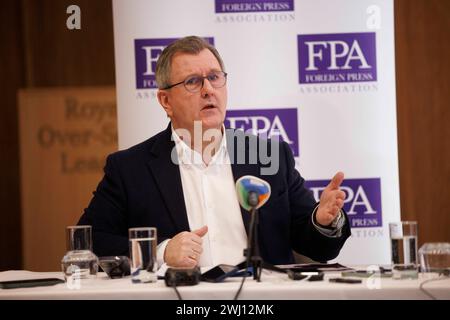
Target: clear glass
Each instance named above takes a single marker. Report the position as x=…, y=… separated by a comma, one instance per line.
x=79, y=262
x=142, y=244
x=403, y=235
x=435, y=257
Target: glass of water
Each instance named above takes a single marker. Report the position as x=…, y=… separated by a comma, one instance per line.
x=79, y=262
x=142, y=244
x=403, y=235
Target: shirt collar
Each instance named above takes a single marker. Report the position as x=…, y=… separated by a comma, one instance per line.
x=189, y=156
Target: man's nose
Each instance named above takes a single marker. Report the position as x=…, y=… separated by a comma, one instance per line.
x=207, y=88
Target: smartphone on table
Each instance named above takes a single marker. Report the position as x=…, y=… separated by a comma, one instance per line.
x=219, y=273
x=29, y=283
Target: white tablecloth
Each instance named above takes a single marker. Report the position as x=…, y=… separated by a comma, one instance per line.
x=272, y=287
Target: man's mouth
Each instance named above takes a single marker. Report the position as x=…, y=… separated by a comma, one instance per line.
x=209, y=106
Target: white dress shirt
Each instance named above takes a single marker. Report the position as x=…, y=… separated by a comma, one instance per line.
x=210, y=199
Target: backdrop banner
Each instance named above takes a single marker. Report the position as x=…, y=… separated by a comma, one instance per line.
x=319, y=74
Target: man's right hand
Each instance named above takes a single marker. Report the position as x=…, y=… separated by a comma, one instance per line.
x=185, y=248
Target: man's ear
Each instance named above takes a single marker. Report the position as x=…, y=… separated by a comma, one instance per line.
x=163, y=98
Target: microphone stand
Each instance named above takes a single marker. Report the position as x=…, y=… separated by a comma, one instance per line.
x=255, y=258
x=252, y=253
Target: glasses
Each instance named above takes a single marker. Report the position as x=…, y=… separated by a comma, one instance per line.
x=195, y=83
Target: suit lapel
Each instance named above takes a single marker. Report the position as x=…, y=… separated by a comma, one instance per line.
x=168, y=179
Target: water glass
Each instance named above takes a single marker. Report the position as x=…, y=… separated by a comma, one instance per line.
x=143, y=244
x=403, y=237
x=435, y=257
x=79, y=262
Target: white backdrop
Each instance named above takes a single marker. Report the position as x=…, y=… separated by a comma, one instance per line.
x=328, y=64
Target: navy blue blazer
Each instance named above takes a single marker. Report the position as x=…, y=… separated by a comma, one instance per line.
x=142, y=187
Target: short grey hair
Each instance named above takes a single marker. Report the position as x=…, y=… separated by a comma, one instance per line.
x=190, y=45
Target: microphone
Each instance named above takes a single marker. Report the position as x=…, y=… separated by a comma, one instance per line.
x=252, y=192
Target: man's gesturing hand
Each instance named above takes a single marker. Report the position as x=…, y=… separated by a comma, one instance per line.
x=185, y=248
x=331, y=201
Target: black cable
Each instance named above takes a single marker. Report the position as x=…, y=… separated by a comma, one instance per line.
x=442, y=276
x=177, y=292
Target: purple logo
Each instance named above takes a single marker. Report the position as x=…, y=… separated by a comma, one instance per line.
x=238, y=6
x=147, y=52
x=280, y=123
x=341, y=57
x=362, y=203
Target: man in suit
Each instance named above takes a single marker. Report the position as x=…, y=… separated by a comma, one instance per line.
x=182, y=180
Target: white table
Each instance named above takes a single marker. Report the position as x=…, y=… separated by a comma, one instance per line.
x=273, y=286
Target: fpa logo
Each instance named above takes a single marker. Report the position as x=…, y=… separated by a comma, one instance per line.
x=343, y=57
x=362, y=202
x=147, y=52
x=235, y=6
x=280, y=123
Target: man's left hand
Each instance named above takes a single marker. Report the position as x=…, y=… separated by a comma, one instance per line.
x=331, y=201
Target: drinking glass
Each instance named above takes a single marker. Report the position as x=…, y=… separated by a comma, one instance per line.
x=142, y=244
x=79, y=262
x=403, y=235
